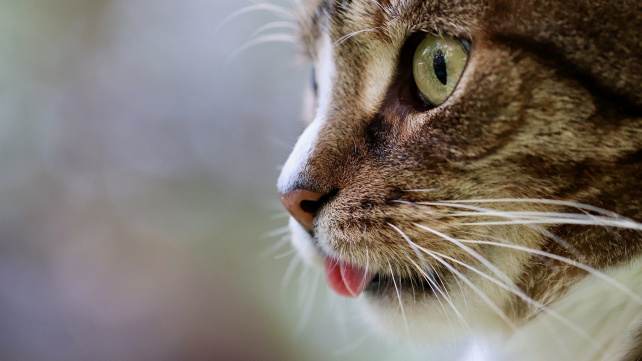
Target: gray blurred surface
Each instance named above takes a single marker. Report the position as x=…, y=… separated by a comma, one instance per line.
x=137, y=169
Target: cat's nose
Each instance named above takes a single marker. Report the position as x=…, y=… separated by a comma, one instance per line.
x=303, y=205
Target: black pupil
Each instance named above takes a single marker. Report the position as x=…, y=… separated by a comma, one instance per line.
x=439, y=64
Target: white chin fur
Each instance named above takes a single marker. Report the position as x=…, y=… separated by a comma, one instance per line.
x=423, y=320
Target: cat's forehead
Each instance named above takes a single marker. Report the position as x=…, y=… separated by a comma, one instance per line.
x=341, y=18
x=384, y=20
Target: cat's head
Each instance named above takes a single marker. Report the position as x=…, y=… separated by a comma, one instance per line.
x=461, y=155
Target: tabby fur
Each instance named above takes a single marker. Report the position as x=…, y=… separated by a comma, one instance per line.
x=538, y=147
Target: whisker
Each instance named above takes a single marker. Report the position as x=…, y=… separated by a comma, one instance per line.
x=431, y=282
x=365, y=274
x=501, y=240
x=446, y=297
x=285, y=254
x=274, y=9
x=515, y=221
x=385, y=10
x=290, y=270
x=405, y=202
x=472, y=252
x=481, y=294
x=481, y=259
x=274, y=25
x=615, y=224
x=279, y=143
x=463, y=294
x=307, y=310
x=532, y=214
x=515, y=290
x=422, y=190
x=608, y=218
x=276, y=246
x=542, y=201
x=304, y=287
x=345, y=38
x=276, y=232
x=532, y=218
x=637, y=298
x=403, y=312
x=277, y=38
x=279, y=215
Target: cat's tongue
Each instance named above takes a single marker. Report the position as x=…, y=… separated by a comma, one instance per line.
x=346, y=279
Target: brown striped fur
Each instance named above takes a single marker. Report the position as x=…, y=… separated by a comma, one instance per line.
x=549, y=107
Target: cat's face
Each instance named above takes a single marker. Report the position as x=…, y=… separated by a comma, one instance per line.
x=442, y=214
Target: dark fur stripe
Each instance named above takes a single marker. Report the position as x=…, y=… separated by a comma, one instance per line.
x=548, y=53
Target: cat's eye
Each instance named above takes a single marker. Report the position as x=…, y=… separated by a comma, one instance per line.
x=437, y=65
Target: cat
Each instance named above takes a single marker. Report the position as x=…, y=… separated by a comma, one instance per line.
x=474, y=169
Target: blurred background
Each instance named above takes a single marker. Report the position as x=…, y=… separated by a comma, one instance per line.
x=140, y=142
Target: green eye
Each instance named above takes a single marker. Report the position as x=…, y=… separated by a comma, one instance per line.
x=437, y=66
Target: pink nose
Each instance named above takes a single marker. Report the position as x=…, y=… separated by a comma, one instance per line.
x=303, y=206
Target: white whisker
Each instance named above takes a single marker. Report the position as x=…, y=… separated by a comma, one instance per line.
x=280, y=143
x=531, y=214
x=472, y=252
x=542, y=201
x=276, y=232
x=539, y=306
x=607, y=219
x=304, y=287
x=290, y=270
x=276, y=246
x=285, y=254
x=532, y=223
x=344, y=38
x=277, y=38
x=279, y=215
x=274, y=25
x=431, y=282
x=307, y=310
x=406, y=202
x=385, y=10
x=615, y=224
x=637, y=298
x=422, y=190
x=481, y=294
x=275, y=9
x=403, y=312
x=365, y=274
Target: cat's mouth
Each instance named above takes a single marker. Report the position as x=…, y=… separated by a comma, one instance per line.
x=385, y=284
x=350, y=280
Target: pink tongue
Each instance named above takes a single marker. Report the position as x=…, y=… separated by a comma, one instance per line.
x=346, y=279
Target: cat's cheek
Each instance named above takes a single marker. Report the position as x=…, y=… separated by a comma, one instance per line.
x=304, y=244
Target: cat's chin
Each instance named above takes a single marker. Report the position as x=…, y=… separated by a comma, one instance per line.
x=427, y=318
x=420, y=321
